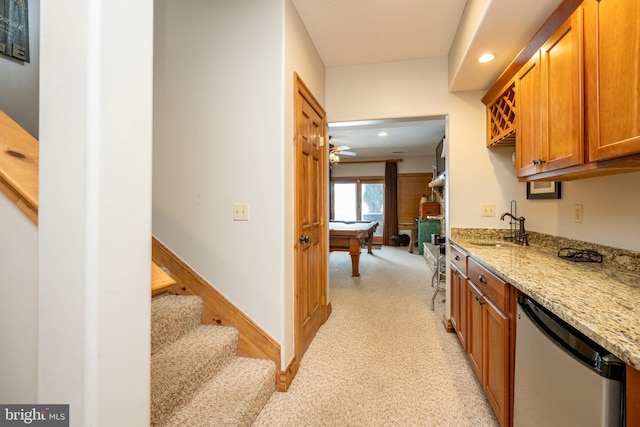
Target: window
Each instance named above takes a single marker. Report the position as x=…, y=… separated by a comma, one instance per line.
x=358, y=199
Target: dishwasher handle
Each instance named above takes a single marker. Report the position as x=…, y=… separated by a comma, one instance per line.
x=572, y=341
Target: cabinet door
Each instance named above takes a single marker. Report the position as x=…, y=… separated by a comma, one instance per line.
x=495, y=326
x=475, y=301
x=455, y=297
x=459, y=304
x=529, y=121
x=462, y=321
x=612, y=70
x=562, y=96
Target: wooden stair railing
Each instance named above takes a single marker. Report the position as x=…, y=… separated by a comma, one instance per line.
x=19, y=166
x=160, y=281
x=19, y=181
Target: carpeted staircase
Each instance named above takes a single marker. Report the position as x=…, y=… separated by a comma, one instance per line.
x=197, y=379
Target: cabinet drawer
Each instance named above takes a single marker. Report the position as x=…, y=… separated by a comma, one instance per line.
x=494, y=288
x=458, y=258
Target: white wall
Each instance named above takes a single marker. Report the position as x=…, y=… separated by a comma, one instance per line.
x=224, y=133
x=19, y=90
x=302, y=58
x=19, y=80
x=218, y=138
x=419, y=88
x=18, y=306
x=610, y=207
x=95, y=210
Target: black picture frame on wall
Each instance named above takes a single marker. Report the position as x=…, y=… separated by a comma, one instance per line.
x=14, y=29
x=544, y=190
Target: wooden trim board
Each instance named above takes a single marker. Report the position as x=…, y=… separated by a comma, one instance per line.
x=253, y=341
x=19, y=153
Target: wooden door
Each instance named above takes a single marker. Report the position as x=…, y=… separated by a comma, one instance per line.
x=529, y=122
x=310, y=241
x=562, y=96
x=612, y=77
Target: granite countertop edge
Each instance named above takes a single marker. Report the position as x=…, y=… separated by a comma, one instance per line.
x=601, y=300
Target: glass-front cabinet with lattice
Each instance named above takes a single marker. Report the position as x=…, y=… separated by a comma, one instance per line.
x=501, y=118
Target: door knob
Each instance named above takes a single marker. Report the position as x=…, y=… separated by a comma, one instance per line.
x=304, y=239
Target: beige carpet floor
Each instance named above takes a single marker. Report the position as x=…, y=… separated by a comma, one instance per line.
x=383, y=358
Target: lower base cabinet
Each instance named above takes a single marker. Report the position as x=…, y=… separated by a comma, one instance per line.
x=489, y=341
x=633, y=396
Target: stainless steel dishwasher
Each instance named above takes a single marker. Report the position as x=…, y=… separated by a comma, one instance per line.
x=562, y=378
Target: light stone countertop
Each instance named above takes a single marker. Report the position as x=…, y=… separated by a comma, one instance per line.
x=600, y=300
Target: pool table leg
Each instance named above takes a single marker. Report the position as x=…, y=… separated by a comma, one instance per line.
x=370, y=243
x=354, y=251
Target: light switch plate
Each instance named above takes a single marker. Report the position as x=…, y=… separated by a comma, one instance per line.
x=577, y=213
x=488, y=209
x=241, y=212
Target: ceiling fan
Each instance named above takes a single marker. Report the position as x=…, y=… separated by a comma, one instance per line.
x=340, y=149
x=334, y=150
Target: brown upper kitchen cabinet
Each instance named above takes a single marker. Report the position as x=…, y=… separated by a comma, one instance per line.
x=529, y=122
x=612, y=47
x=550, y=100
x=577, y=93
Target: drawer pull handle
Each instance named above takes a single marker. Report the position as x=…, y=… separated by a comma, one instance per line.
x=457, y=258
x=482, y=279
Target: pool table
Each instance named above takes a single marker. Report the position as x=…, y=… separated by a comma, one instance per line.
x=349, y=236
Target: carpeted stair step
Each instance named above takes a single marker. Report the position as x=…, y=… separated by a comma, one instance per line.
x=180, y=368
x=172, y=316
x=234, y=397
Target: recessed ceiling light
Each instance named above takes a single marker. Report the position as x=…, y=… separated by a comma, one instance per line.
x=487, y=57
x=383, y=133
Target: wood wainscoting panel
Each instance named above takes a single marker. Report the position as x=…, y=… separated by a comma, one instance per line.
x=253, y=341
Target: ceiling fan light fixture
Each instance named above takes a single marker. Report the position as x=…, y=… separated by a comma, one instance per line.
x=333, y=158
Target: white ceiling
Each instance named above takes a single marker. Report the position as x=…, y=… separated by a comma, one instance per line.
x=348, y=32
x=404, y=138
x=352, y=32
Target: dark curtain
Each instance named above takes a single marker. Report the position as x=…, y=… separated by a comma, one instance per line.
x=390, y=203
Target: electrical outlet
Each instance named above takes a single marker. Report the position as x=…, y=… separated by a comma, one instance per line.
x=241, y=212
x=577, y=213
x=488, y=209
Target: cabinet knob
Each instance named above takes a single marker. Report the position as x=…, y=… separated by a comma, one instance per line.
x=303, y=239
x=457, y=258
x=482, y=279
x=541, y=161
x=535, y=162
x=480, y=299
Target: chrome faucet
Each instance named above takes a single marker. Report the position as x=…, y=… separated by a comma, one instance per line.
x=521, y=236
